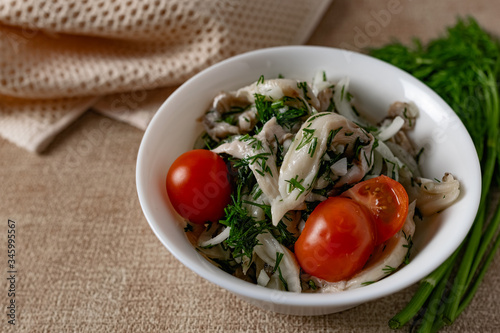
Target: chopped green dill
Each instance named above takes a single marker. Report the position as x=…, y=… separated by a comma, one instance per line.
x=280, y=232
x=231, y=116
x=409, y=246
x=368, y=159
x=331, y=136
x=278, y=104
x=280, y=76
x=316, y=116
x=405, y=115
x=437, y=180
x=242, y=172
x=208, y=141
x=282, y=279
x=331, y=106
x=348, y=133
x=255, y=143
x=256, y=192
x=260, y=80
x=305, y=90
x=307, y=136
x=188, y=227
x=261, y=160
x=375, y=144
x=367, y=283
x=237, y=109
x=279, y=256
x=355, y=110
x=388, y=269
x=358, y=145
x=283, y=235
x=393, y=169
x=288, y=110
x=264, y=207
x=291, y=116
x=264, y=111
x=342, y=93
x=312, y=147
x=312, y=285
x=296, y=184
x=309, y=208
x=244, y=229
x=419, y=155
x=229, y=119
x=279, y=152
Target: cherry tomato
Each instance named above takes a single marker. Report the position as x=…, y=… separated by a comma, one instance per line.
x=387, y=201
x=198, y=186
x=337, y=240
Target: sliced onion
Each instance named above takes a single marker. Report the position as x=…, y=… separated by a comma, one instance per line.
x=217, y=239
x=392, y=129
x=340, y=167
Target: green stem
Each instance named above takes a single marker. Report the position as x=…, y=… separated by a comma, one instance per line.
x=458, y=287
x=438, y=325
x=488, y=235
x=468, y=297
x=435, y=302
x=426, y=286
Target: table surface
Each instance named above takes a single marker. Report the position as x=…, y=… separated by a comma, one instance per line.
x=88, y=261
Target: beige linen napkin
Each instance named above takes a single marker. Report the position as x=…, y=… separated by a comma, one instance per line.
x=59, y=58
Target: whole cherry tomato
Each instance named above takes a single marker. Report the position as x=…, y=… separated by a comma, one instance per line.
x=198, y=186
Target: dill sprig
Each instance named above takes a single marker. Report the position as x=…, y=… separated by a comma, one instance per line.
x=230, y=116
x=244, y=228
x=288, y=110
x=280, y=231
x=463, y=68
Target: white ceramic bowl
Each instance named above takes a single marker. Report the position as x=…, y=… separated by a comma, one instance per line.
x=375, y=85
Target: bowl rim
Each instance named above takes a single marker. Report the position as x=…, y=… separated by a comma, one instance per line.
x=237, y=286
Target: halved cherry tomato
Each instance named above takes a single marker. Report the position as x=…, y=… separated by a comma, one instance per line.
x=198, y=186
x=387, y=201
x=337, y=240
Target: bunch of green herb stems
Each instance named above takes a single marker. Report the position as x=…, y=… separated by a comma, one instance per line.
x=463, y=68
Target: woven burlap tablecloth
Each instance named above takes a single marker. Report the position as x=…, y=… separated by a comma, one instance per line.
x=87, y=260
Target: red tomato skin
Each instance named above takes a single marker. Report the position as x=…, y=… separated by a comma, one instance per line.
x=337, y=240
x=198, y=186
x=387, y=202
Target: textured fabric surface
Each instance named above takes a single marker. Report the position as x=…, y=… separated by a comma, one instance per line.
x=87, y=260
x=59, y=56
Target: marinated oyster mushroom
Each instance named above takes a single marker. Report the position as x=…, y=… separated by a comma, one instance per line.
x=301, y=165
x=235, y=112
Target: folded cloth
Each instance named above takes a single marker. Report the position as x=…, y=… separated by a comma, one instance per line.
x=123, y=58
